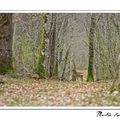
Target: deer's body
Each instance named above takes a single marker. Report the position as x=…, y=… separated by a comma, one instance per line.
x=77, y=75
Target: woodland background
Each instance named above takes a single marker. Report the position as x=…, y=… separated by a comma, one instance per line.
x=59, y=59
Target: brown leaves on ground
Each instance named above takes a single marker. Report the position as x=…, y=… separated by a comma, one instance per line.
x=24, y=92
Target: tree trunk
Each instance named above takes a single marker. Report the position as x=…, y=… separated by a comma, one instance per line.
x=40, y=65
x=74, y=72
x=5, y=43
x=116, y=82
x=65, y=64
x=52, y=45
x=90, y=76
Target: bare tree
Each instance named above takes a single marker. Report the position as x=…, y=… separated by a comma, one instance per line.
x=65, y=64
x=52, y=41
x=90, y=76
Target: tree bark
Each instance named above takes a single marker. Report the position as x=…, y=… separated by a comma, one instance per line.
x=5, y=43
x=40, y=67
x=65, y=64
x=52, y=45
x=90, y=76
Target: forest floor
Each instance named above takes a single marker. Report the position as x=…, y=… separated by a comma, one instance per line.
x=30, y=92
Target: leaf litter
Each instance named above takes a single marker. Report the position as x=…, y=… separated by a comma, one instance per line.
x=29, y=92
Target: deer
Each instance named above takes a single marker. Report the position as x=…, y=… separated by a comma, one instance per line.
x=76, y=75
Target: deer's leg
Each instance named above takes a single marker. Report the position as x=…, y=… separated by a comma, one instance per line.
x=81, y=76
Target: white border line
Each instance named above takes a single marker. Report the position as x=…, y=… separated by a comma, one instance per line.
x=59, y=11
x=59, y=108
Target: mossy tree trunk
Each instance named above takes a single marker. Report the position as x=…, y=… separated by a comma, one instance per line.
x=6, y=43
x=40, y=67
x=90, y=76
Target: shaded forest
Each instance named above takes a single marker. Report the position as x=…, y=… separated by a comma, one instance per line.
x=59, y=59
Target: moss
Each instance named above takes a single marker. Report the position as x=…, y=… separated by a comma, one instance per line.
x=90, y=77
x=112, y=89
x=2, y=71
x=44, y=17
x=91, y=50
x=8, y=69
x=40, y=69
